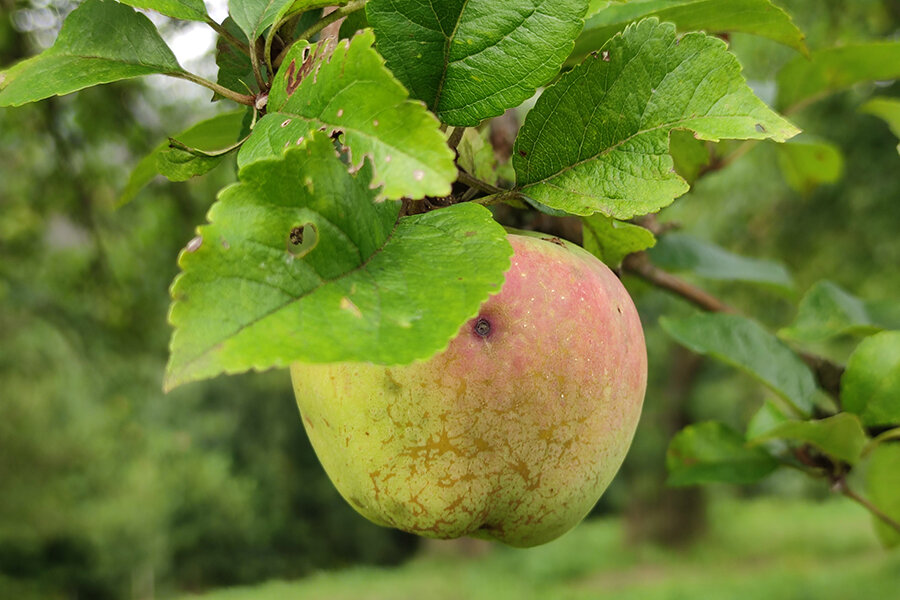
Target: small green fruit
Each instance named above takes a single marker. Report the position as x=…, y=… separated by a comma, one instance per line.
x=514, y=431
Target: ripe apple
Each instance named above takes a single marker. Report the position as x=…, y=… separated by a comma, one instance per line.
x=514, y=431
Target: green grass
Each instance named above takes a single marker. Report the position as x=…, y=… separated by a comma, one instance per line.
x=761, y=549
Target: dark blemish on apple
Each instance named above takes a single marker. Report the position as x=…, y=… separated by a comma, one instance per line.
x=482, y=327
x=619, y=308
x=554, y=240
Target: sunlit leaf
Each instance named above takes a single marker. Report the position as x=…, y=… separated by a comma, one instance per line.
x=189, y=10
x=299, y=263
x=473, y=59
x=348, y=89
x=101, y=41
x=620, y=105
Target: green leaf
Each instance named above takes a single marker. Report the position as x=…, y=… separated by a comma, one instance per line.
x=293, y=8
x=296, y=7
x=841, y=436
x=620, y=105
x=680, y=252
x=808, y=164
x=827, y=311
x=768, y=417
x=473, y=59
x=235, y=69
x=711, y=452
x=353, y=23
x=803, y=80
x=255, y=16
x=883, y=437
x=690, y=155
x=348, y=89
x=299, y=263
x=176, y=164
x=870, y=386
x=188, y=10
x=476, y=155
x=101, y=41
x=744, y=344
x=212, y=134
x=758, y=17
x=299, y=6
x=883, y=487
x=611, y=240
x=888, y=109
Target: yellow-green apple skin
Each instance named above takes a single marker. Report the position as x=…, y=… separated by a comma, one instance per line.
x=514, y=431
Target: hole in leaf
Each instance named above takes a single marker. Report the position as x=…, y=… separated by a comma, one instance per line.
x=302, y=239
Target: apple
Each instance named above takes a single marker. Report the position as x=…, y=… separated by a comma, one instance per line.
x=514, y=431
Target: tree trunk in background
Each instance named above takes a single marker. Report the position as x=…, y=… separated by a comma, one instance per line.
x=671, y=516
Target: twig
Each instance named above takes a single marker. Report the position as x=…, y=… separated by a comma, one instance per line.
x=639, y=264
x=221, y=90
x=455, y=137
x=827, y=373
x=254, y=62
x=484, y=186
x=840, y=486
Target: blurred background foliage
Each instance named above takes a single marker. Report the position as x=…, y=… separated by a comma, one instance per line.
x=111, y=489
